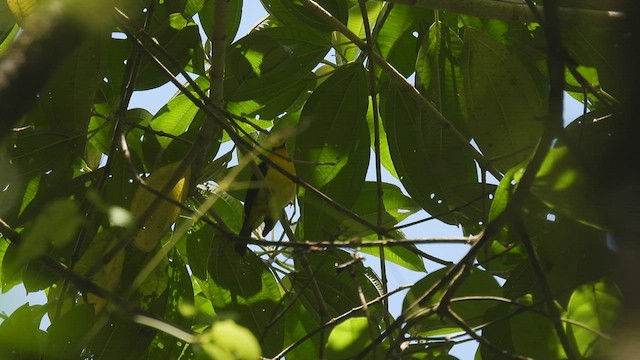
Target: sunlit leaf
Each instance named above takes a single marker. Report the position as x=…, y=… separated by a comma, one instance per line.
x=597, y=306
x=348, y=338
x=227, y=340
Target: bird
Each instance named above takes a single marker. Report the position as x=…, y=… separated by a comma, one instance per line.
x=266, y=198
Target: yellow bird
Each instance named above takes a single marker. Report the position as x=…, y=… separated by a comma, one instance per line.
x=266, y=199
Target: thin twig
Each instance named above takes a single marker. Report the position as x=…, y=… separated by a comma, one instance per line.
x=358, y=243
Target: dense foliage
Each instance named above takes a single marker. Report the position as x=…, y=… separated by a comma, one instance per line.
x=127, y=219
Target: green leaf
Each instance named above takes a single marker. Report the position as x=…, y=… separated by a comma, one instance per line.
x=431, y=163
x=299, y=321
x=191, y=7
x=234, y=15
x=7, y=35
x=179, y=291
x=20, y=337
x=11, y=270
x=69, y=97
x=182, y=45
x=504, y=107
x=438, y=73
x=227, y=340
x=120, y=339
x=177, y=21
x=37, y=276
x=604, y=49
x=339, y=287
x=596, y=305
x=294, y=14
x=176, y=116
x=272, y=105
x=199, y=242
x=349, y=51
x=385, y=154
x=66, y=334
x=543, y=343
x=477, y=283
x=395, y=207
x=268, y=69
x=575, y=89
x=348, y=338
x=56, y=225
x=244, y=286
x=570, y=254
x=563, y=185
x=396, y=40
x=335, y=137
x=226, y=207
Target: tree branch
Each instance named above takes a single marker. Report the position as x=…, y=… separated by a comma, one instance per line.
x=512, y=11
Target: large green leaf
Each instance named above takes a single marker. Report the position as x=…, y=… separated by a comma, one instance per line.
x=438, y=72
x=176, y=116
x=604, y=49
x=268, y=69
x=294, y=14
x=245, y=286
x=348, y=338
x=68, y=99
x=596, y=305
x=543, y=343
x=20, y=336
x=299, y=322
x=431, y=163
x=385, y=154
x=55, y=226
x=66, y=334
x=348, y=51
x=234, y=15
x=504, y=107
x=397, y=40
x=395, y=207
x=564, y=185
x=182, y=45
x=334, y=143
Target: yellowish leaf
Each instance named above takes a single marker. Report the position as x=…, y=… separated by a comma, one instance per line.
x=166, y=213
